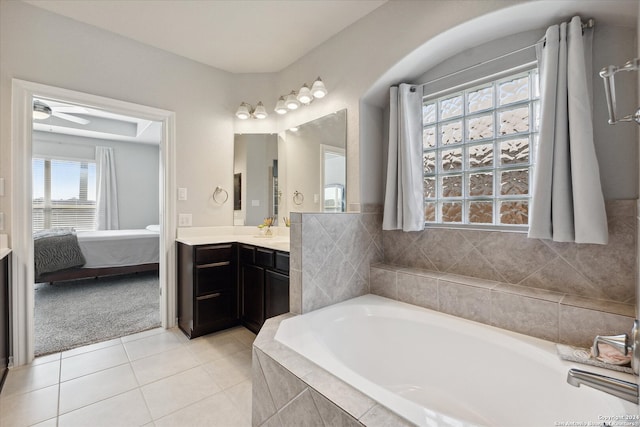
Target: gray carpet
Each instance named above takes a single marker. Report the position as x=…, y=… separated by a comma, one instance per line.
x=80, y=312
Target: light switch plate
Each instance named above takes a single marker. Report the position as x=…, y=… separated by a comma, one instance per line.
x=184, y=220
x=182, y=193
x=1, y=186
x=1, y=221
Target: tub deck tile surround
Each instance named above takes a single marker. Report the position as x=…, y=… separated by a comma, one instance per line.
x=288, y=389
x=541, y=313
x=333, y=257
x=603, y=272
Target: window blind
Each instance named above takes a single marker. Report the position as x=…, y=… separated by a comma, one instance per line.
x=64, y=194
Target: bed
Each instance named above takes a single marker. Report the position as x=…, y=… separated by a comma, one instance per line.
x=64, y=254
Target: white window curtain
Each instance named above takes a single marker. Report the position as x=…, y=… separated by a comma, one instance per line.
x=107, y=193
x=403, y=201
x=567, y=203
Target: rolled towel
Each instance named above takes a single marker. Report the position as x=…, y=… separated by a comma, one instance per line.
x=609, y=354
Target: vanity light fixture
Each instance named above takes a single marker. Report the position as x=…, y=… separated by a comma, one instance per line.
x=246, y=111
x=318, y=89
x=304, y=96
x=286, y=103
x=260, y=112
x=292, y=102
x=280, y=107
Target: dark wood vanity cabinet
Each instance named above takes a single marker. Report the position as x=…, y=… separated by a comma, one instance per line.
x=207, y=288
x=264, y=284
x=4, y=318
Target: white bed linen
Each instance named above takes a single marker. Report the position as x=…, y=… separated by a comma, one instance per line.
x=117, y=248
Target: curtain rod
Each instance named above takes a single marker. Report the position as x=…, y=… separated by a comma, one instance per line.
x=590, y=23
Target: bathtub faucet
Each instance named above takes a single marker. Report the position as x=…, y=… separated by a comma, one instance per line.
x=622, y=389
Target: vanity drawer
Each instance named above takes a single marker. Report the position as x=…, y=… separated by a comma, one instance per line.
x=214, y=254
x=247, y=254
x=214, y=277
x=264, y=257
x=282, y=261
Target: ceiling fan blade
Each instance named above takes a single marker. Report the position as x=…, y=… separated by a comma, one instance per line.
x=73, y=109
x=71, y=118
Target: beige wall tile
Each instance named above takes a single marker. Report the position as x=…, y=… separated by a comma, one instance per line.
x=579, y=326
x=300, y=411
x=262, y=407
x=383, y=282
x=530, y=316
x=464, y=301
x=418, y=290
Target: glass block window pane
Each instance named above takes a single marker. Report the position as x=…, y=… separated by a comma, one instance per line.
x=480, y=99
x=430, y=211
x=514, y=182
x=429, y=162
x=477, y=151
x=514, y=151
x=480, y=127
x=451, y=133
x=429, y=137
x=429, y=113
x=480, y=156
x=481, y=212
x=514, y=121
x=451, y=212
x=451, y=107
x=514, y=212
x=429, y=187
x=481, y=184
x=451, y=186
x=451, y=160
x=513, y=90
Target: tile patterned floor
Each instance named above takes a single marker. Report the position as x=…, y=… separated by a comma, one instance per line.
x=154, y=378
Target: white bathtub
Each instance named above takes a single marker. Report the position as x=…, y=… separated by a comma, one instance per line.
x=439, y=370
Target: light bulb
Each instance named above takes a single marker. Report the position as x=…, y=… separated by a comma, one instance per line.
x=260, y=112
x=41, y=110
x=280, y=107
x=243, y=112
x=318, y=89
x=304, y=96
x=292, y=102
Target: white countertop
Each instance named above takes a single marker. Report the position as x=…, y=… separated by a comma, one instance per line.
x=213, y=235
x=4, y=252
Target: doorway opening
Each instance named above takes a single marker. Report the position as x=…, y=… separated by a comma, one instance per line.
x=96, y=224
x=24, y=213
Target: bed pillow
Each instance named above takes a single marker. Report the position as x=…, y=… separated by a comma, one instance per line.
x=153, y=227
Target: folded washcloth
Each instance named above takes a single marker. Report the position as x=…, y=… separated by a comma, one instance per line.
x=583, y=355
x=609, y=354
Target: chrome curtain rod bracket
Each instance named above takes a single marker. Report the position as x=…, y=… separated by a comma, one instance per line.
x=608, y=75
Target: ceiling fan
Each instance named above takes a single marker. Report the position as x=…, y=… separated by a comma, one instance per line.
x=43, y=111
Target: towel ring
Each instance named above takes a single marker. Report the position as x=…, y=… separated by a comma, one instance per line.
x=298, y=197
x=217, y=191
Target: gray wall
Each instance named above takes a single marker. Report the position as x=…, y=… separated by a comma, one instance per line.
x=137, y=172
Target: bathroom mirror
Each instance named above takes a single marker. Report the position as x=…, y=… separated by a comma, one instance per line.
x=302, y=169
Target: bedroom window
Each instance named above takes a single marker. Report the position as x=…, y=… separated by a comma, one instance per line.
x=64, y=194
x=477, y=145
